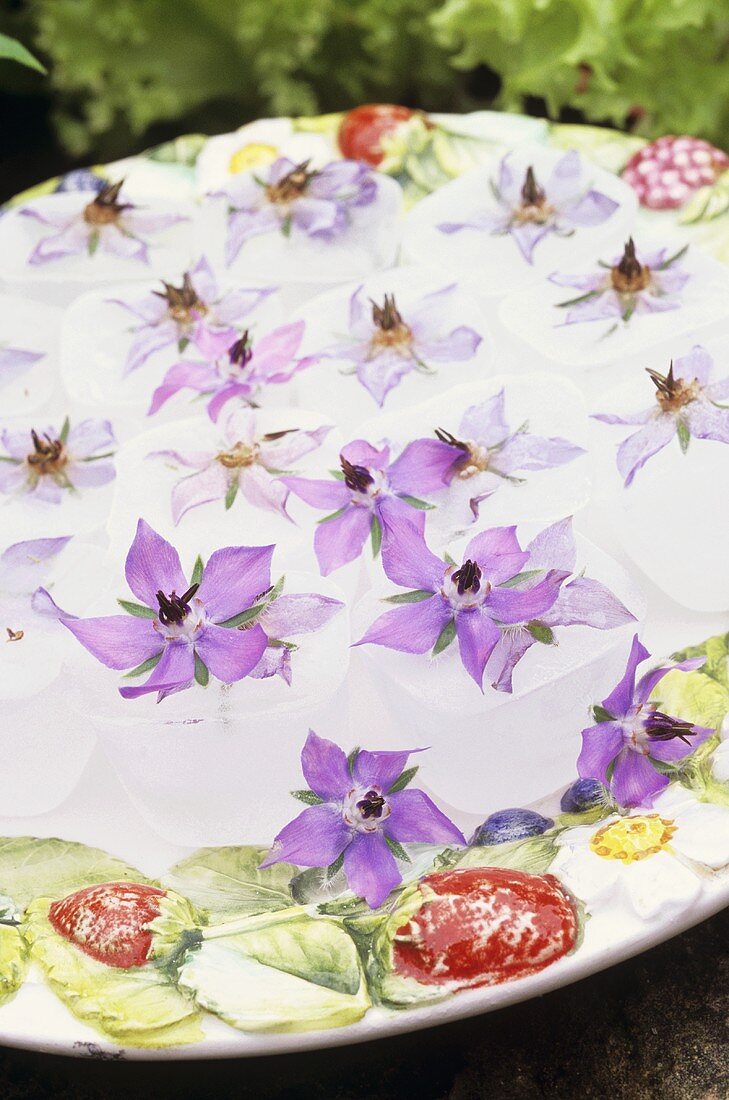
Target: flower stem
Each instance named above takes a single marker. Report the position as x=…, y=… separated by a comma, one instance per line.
x=254, y=923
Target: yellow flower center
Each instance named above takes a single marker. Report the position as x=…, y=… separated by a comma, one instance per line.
x=253, y=155
x=238, y=456
x=633, y=838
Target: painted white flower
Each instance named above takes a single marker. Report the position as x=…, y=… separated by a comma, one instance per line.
x=654, y=860
x=720, y=765
x=258, y=145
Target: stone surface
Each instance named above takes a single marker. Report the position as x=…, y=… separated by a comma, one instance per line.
x=654, y=1027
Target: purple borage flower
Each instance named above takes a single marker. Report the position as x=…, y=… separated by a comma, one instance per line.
x=486, y=448
x=529, y=212
x=633, y=738
x=247, y=462
x=106, y=224
x=192, y=311
x=48, y=463
x=685, y=406
x=15, y=361
x=384, y=345
x=237, y=370
x=359, y=817
x=371, y=496
x=222, y=621
x=497, y=603
x=636, y=282
x=295, y=200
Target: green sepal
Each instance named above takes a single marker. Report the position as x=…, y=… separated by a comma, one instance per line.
x=146, y=666
x=376, y=536
x=684, y=435
x=65, y=428
x=231, y=494
x=416, y=596
x=202, y=675
x=333, y=515
x=600, y=714
x=137, y=609
x=416, y=502
x=445, y=637
x=197, y=571
x=541, y=632
x=397, y=849
x=309, y=797
x=402, y=781
x=93, y=242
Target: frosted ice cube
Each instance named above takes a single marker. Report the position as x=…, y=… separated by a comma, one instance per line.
x=95, y=340
x=671, y=520
x=147, y=475
x=598, y=352
x=29, y=335
x=58, y=281
x=494, y=263
x=550, y=406
x=49, y=740
x=496, y=749
x=369, y=242
x=79, y=509
x=334, y=388
x=215, y=765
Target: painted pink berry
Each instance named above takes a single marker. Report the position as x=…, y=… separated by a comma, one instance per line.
x=666, y=172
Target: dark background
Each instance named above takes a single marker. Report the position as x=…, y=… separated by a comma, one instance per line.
x=654, y=1028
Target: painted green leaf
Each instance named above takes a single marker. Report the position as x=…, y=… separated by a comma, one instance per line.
x=139, y=1006
x=33, y=867
x=224, y=883
x=12, y=50
x=292, y=975
x=13, y=961
x=693, y=696
x=534, y=854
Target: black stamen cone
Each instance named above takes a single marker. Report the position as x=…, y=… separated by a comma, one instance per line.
x=174, y=608
x=357, y=478
x=468, y=577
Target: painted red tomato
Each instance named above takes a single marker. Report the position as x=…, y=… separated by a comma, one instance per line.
x=361, y=130
x=109, y=922
x=486, y=925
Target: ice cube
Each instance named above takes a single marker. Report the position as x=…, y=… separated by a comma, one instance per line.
x=29, y=334
x=96, y=337
x=216, y=765
x=492, y=261
x=539, y=405
x=452, y=319
x=147, y=474
x=59, y=280
x=493, y=749
x=599, y=354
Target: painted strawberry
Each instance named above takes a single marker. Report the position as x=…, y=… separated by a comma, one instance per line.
x=110, y=922
x=666, y=172
x=482, y=926
x=362, y=130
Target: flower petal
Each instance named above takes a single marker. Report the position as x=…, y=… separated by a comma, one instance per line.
x=380, y=769
x=325, y=768
x=586, y=602
x=298, y=613
x=233, y=578
x=409, y=562
x=554, y=547
x=634, y=452
x=319, y=493
x=147, y=341
x=153, y=564
x=230, y=654
x=416, y=819
x=498, y=552
x=635, y=782
x=263, y=490
x=600, y=745
x=696, y=366
x=477, y=637
x=273, y=353
x=340, y=540
x=199, y=488
x=315, y=838
x=422, y=467
x=381, y=372
x=519, y=605
x=199, y=377
x=706, y=420
x=370, y=867
x=410, y=628
x=174, y=672
x=620, y=699
x=486, y=423
x=118, y=641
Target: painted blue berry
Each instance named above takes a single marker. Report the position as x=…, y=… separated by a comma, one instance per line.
x=514, y=824
x=584, y=795
x=80, y=179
